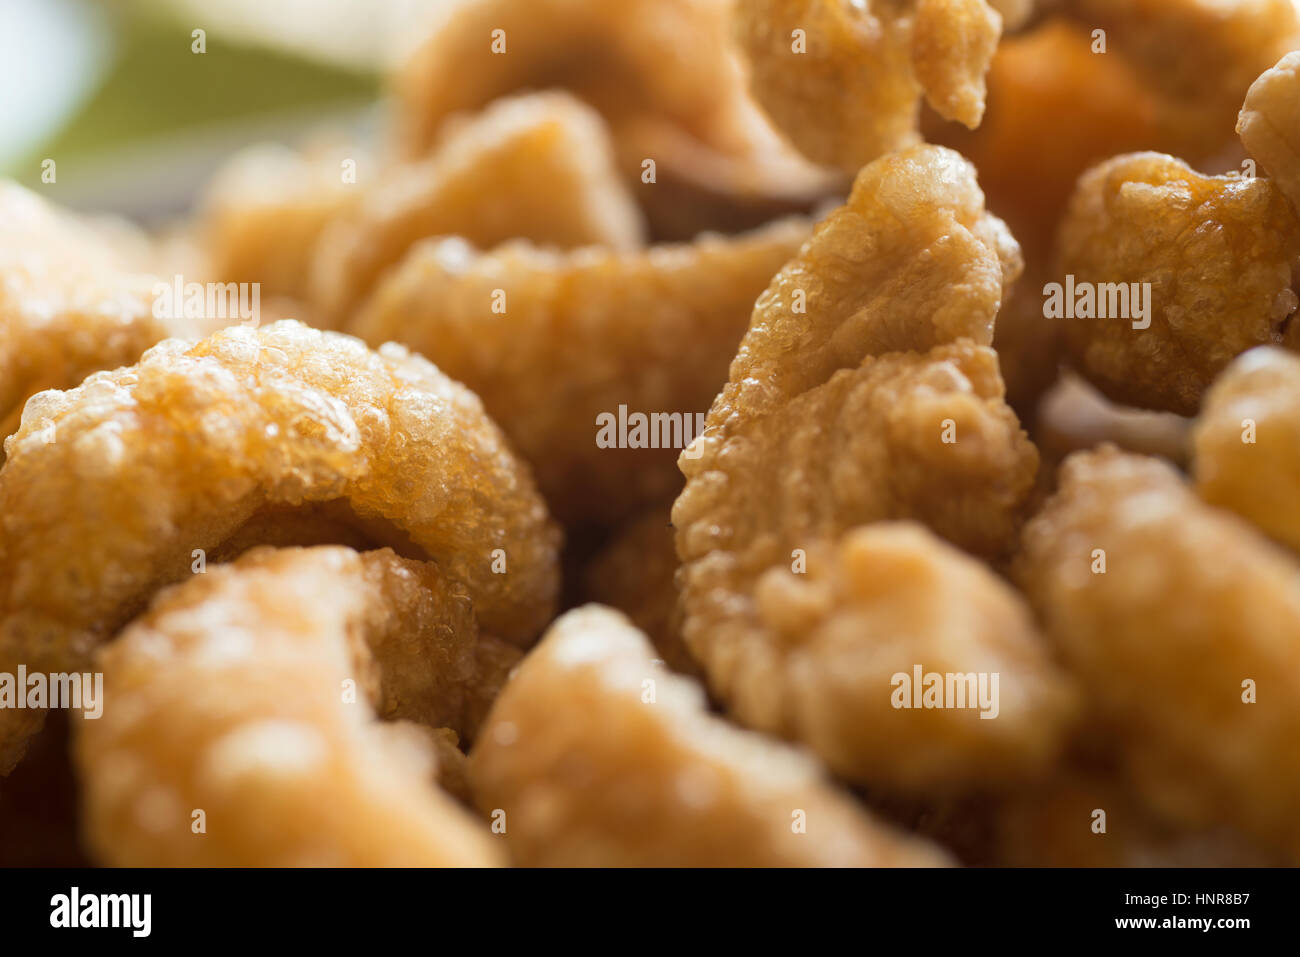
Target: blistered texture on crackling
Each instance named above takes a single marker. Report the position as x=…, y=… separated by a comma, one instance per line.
x=660, y=58
x=882, y=600
x=1193, y=603
x=70, y=303
x=263, y=213
x=844, y=80
x=599, y=757
x=1052, y=825
x=635, y=573
x=911, y=261
x=1247, y=442
x=249, y=436
x=864, y=447
x=1199, y=56
x=253, y=693
x=538, y=166
x=1218, y=253
x=552, y=341
x=1269, y=124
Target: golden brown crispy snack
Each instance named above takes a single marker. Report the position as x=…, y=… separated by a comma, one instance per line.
x=1200, y=56
x=884, y=600
x=537, y=166
x=243, y=730
x=196, y=445
x=1212, y=256
x=263, y=213
x=825, y=426
x=1269, y=124
x=659, y=58
x=566, y=348
x=70, y=303
x=1185, y=643
x=635, y=573
x=1247, y=442
x=844, y=80
x=596, y=756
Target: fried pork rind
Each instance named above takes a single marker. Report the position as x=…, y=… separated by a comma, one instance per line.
x=538, y=166
x=1269, y=124
x=263, y=213
x=582, y=334
x=1247, y=442
x=282, y=433
x=1199, y=55
x=1218, y=253
x=1074, y=416
x=918, y=601
x=70, y=304
x=1193, y=603
x=251, y=693
x=659, y=58
x=599, y=757
x=826, y=425
x=848, y=88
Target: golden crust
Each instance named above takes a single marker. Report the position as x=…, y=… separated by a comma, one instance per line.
x=251, y=694
x=187, y=446
x=1191, y=605
x=844, y=80
x=650, y=331
x=596, y=756
x=1217, y=252
x=1247, y=442
x=1269, y=124
x=538, y=166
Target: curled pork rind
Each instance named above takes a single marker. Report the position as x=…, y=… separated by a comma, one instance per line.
x=1185, y=642
x=247, y=694
x=280, y=434
x=263, y=213
x=643, y=333
x=662, y=58
x=1247, y=442
x=844, y=80
x=1199, y=55
x=1269, y=124
x=826, y=425
x=69, y=304
x=538, y=166
x=597, y=756
x=1217, y=253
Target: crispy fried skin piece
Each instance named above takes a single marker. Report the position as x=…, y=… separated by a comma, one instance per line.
x=919, y=601
x=1199, y=55
x=817, y=432
x=652, y=331
x=911, y=261
x=69, y=304
x=138, y=467
x=847, y=89
x=664, y=58
x=1192, y=604
x=251, y=693
x=1218, y=252
x=263, y=213
x=600, y=757
x=1269, y=124
x=635, y=573
x=1051, y=825
x=537, y=166
x=1247, y=442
